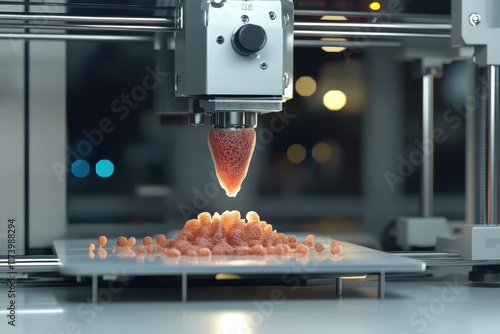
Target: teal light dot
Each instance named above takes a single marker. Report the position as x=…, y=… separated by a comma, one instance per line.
x=80, y=168
x=104, y=168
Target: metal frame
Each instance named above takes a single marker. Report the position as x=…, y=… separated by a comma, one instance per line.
x=402, y=26
x=184, y=287
x=390, y=34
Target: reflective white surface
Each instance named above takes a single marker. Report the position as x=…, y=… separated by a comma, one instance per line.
x=76, y=260
x=445, y=303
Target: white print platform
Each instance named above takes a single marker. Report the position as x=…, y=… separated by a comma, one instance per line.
x=355, y=260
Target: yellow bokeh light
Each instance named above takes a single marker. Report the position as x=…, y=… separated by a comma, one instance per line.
x=305, y=86
x=334, y=18
x=321, y=152
x=375, y=5
x=334, y=100
x=333, y=48
x=296, y=153
x=224, y=276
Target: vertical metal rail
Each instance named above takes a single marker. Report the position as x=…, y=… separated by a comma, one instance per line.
x=481, y=144
x=26, y=138
x=470, y=145
x=493, y=186
x=427, y=181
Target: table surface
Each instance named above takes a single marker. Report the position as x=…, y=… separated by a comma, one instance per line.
x=442, y=303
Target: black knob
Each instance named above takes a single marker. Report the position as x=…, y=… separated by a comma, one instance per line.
x=249, y=39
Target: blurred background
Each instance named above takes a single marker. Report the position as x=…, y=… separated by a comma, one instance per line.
x=322, y=166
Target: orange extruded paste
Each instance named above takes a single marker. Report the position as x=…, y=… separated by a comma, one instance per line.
x=226, y=234
x=232, y=151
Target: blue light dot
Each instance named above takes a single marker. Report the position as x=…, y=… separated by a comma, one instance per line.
x=80, y=168
x=104, y=168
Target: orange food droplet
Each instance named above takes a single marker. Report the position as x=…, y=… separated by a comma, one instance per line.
x=173, y=252
x=308, y=243
x=151, y=249
x=336, y=248
x=140, y=249
x=121, y=241
x=147, y=241
x=91, y=247
x=131, y=242
x=318, y=247
x=101, y=241
x=303, y=249
x=160, y=238
x=113, y=249
x=204, y=251
x=232, y=151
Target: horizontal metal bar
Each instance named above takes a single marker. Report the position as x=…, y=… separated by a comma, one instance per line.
x=31, y=264
x=167, y=29
x=441, y=259
x=428, y=254
x=28, y=259
x=395, y=26
x=347, y=44
x=392, y=16
x=63, y=37
x=89, y=5
x=92, y=27
x=319, y=33
x=88, y=19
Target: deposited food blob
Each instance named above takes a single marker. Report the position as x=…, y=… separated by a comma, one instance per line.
x=226, y=234
x=232, y=150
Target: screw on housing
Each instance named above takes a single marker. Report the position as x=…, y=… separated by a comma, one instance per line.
x=474, y=19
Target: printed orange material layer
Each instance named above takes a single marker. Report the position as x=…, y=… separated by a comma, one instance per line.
x=226, y=234
x=229, y=234
x=232, y=151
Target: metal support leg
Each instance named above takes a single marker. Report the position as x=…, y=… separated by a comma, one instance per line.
x=94, y=289
x=381, y=285
x=338, y=287
x=184, y=287
x=427, y=183
x=493, y=186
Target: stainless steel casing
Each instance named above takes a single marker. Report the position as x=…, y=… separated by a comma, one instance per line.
x=206, y=67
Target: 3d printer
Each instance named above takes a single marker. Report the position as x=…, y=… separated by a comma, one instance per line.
x=232, y=60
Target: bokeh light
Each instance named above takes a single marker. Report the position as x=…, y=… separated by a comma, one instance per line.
x=104, y=168
x=375, y=6
x=321, y=152
x=296, y=153
x=334, y=100
x=305, y=86
x=333, y=48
